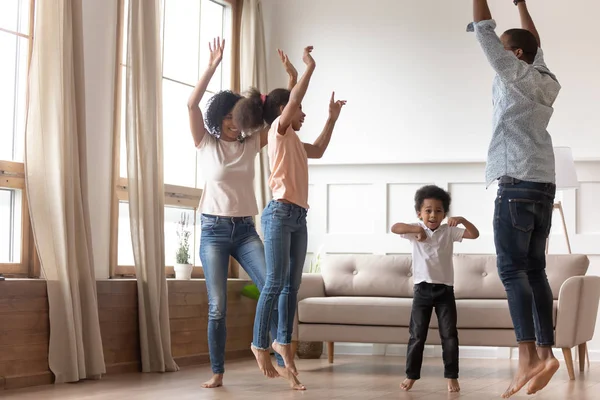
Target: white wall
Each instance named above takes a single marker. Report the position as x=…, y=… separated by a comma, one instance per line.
x=99, y=34
x=418, y=86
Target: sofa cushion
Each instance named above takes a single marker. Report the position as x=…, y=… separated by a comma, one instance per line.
x=367, y=275
x=385, y=311
x=376, y=311
x=475, y=276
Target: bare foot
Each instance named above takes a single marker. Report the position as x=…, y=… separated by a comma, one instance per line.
x=214, y=382
x=290, y=377
x=263, y=358
x=524, y=375
x=541, y=380
x=453, y=386
x=407, y=384
x=285, y=351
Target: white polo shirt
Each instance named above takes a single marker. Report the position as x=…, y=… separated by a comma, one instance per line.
x=432, y=258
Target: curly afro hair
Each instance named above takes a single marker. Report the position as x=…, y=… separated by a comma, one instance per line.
x=432, y=192
x=217, y=109
x=252, y=113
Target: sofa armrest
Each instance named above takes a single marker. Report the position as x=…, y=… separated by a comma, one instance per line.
x=577, y=311
x=312, y=286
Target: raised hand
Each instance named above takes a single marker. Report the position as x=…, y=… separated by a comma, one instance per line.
x=307, y=58
x=289, y=67
x=216, y=52
x=455, y=221
x=335, y=107
x=421, y=236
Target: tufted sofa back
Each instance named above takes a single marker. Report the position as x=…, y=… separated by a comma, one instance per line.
x=475, y=276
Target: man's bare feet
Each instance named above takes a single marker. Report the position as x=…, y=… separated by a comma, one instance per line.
x=285, y=351
x=290, y=377
x=214, y=382
x=551, y=365
x=263, y=358
x=407, y=384
x=453, y=386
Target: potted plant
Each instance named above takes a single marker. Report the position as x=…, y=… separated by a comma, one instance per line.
x=311, y=350
x=183, y=268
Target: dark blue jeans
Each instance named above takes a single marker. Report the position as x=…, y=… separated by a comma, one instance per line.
x=286, y=238
x=522, y=220
x=223, y=237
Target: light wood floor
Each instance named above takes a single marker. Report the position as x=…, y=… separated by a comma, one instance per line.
x=351, y=377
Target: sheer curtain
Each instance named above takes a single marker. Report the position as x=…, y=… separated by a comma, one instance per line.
x=56, y=179
x=145, y=180
x=253, y=73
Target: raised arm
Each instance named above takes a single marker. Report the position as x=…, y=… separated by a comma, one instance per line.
x=409, y=230
x=289, y=68
x=292, y=81
x=471, y=232
x=481, y=11
x=317, y=149
x=196, y=121
x=527, y=21
x=298, y=92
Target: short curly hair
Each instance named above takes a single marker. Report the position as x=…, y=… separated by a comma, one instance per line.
x=217, y=108
x=432, y=192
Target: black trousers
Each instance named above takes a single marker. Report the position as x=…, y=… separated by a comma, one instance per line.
x=428, y=296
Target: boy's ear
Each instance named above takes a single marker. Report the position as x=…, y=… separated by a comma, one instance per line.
x=281, y=109
x=419, y=214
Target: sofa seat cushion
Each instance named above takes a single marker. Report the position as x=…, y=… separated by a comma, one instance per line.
x=486, y=314
x=371, y=311
x=395, y=311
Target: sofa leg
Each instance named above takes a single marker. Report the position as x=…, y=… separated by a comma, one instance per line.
x=294, y=347
x=582, y=355
x=330, y=346
x=569, y=361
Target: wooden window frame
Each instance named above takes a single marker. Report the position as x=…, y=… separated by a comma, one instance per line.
x=12, y=176
x=177, y=196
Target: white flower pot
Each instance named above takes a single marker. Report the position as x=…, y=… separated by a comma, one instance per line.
x=183, y=271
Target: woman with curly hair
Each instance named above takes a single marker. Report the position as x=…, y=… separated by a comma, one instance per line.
x=228, y=203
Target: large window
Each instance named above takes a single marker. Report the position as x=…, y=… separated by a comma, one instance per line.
x=16, y=33
x=186, y=29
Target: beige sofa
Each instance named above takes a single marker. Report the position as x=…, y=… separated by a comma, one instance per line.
x=367, y=299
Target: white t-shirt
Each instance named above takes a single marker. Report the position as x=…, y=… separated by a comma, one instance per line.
x=228, y=172
x=432, y=259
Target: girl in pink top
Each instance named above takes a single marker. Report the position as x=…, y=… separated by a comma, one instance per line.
x=284, y=218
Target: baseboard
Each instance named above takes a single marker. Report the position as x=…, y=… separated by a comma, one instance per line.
x=399, y=350
x=198, y=359
x=123, y=368
x=38, y=379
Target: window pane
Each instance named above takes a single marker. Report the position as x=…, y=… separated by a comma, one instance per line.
x=15, y=16
x=178, y=145
x=125, y=249
x=172, y=217
x=211, y=26
x=180, y=51
x=13, y=81
x=10, y=225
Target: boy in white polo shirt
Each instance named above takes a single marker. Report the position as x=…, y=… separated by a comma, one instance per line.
x=433, y=272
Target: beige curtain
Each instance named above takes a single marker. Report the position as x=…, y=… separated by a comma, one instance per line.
x=145, y=179
x=253, y=73
x=56, y=179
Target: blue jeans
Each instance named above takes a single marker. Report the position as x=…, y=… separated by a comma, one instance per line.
x=223, y=237
x=522, y=221
x=286, y=240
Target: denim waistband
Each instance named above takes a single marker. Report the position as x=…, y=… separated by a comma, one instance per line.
x=229, y=219
x=507, y=180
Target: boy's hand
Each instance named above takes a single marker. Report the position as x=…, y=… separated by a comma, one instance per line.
x=216, y=52
x=335, y=107
x=289, y=67
x=421, y=235
x=307, y=58
x=455, y=221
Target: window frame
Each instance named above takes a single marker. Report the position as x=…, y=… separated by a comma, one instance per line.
x=12, y=176
x=175, y=196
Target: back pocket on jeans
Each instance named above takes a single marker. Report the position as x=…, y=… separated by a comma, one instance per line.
x=522, y=213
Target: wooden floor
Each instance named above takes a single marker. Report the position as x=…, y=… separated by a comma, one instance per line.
x=351, y=377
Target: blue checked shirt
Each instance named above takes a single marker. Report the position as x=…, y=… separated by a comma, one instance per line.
x=523, y=95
